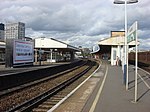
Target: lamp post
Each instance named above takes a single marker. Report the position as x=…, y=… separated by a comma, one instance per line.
x=126, y=75
x=40, y=55
x=51, y=51
x=55, y=55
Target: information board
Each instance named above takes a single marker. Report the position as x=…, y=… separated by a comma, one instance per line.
x=22, y=52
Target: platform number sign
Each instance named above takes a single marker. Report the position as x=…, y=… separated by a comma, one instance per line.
x=132, y=33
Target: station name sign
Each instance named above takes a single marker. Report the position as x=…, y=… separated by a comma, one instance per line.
x=132, y=32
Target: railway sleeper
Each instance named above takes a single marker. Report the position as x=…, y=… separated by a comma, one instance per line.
x=44, y=106
x=57, y=98
x=39, y=110
x=51, y=103
x=62, y=93
x=47, y=103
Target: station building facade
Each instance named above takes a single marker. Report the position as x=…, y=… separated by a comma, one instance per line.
x=2, y=32
x=2, y=43
x=2, y=52
x=112, y=48
x=15, y=30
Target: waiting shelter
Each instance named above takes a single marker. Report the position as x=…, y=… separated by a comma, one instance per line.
x=112, y=48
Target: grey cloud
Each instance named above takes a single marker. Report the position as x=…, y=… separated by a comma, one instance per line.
x=75, y=21
x=144, y=34
x=144, y=44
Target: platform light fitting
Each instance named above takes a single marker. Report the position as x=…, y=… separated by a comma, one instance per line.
x=123, y=1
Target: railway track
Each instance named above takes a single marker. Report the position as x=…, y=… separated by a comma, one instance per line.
x=24, y=86
x=146, y=69
x=26, y=98
x=144, y=66
x=145, y=76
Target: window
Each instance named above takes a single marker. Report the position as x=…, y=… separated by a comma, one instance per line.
x=114, y=54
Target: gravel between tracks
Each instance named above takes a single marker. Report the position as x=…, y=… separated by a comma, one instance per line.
x=14, y=99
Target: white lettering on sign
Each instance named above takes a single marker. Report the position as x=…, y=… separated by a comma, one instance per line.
x=132, y=32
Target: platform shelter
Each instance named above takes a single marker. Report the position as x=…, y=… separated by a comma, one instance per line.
x=52, y=50
x=112, y=48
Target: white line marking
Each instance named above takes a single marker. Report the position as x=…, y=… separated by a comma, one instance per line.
x=144, y=81
x=61, y=101
x=99, y=92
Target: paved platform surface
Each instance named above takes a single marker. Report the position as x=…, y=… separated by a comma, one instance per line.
x=4, y=70
x=115, y=98
x=108, y=94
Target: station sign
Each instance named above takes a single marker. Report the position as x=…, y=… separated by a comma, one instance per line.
x=132, y=32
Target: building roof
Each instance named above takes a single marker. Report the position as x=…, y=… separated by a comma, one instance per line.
x=114, y=41
x=53, y=43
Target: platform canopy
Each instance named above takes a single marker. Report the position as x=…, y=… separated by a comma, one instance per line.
x=115, y=41
x=51, y=43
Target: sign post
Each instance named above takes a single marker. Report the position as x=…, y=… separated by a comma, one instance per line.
x=132, y=35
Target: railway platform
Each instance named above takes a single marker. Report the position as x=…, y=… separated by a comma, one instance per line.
x=4, y=70
x=105, y=92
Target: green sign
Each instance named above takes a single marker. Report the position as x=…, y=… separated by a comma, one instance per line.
x=131, y=37
x=132, y=32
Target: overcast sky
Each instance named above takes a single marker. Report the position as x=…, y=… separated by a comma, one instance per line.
x=77, y=22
